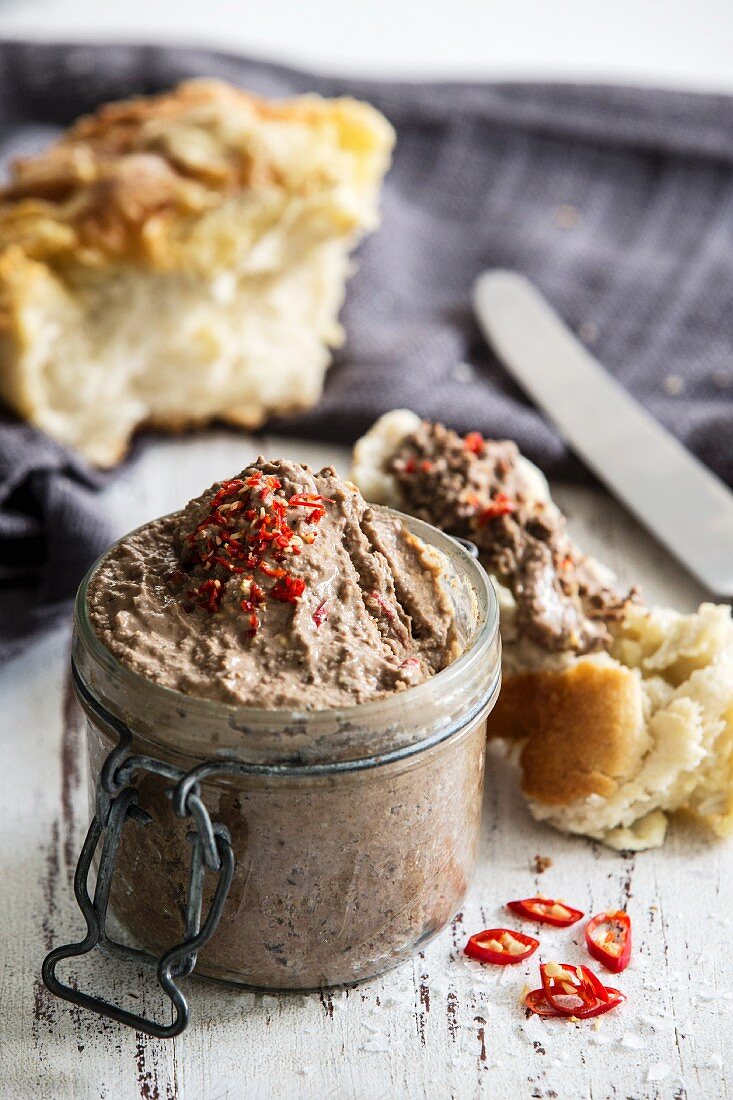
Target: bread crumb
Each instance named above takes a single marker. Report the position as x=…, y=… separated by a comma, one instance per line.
x=674, y=384
x=540, y=864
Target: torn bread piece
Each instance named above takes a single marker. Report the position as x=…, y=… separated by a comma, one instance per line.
x=620, y=714
x=182, y=258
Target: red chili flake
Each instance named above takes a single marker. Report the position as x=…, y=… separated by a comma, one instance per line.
x=308, y=500
x=501, y=505
x=209, y=594
x=320, y=614
x=546, y=911
x=501, y=946
x=250, y=604
x=270, y=570
x=383, y=604
x=227, y=564
x=219, y=544
x=608, y=939
x=474, y=442
x=427, y=466
x=288, y=589
x=390, y=614
x=410, y=466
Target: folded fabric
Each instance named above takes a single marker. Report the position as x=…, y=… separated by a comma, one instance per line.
x=618, y=202
x=51, y=530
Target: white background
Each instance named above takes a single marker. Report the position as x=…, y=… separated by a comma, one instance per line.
x=677, y=43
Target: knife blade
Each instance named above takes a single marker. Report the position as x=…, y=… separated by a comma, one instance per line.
x=671, y=492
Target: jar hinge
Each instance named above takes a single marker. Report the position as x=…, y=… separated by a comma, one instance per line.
x=116, y=803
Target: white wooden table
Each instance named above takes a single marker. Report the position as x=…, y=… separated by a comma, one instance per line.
x=440, y=1026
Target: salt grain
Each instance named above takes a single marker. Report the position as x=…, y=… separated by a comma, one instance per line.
x=378, y=1045
x=534, y=1029
x=632, y=1041
x=658, y=1071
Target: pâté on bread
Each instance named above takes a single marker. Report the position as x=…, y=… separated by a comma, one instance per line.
x=620, y=714
x=181, y=258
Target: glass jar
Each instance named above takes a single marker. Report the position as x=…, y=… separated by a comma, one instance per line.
x=354, y=832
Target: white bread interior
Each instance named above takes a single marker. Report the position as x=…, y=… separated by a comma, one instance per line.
x=182, y=258
x=609, y=744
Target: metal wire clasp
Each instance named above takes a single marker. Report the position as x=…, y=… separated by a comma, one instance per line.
x=117, y=803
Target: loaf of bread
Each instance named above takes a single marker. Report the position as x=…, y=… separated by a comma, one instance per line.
x=181, y=258
x=619, y=714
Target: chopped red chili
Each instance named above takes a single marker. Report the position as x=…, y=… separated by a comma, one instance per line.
x=501, y=946
x=390, y=614
x=244, y=526
x=536, y=1002
x=271, y=570
x=320, y=614
x=288, y=589
x=500, y=505
x=311, y=500
x=608, y=938
x=474, y=442
x=546, y=911
x=571, y=989
x=209, y=595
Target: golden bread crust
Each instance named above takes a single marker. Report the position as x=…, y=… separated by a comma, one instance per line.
x=127, y=183
x=181, y=259
x=581, y=729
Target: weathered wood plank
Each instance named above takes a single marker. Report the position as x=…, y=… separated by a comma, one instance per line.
x=441, y=1026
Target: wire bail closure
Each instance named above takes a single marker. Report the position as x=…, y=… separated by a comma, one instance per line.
x=116, y=804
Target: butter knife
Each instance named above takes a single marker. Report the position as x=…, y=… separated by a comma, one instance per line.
x=671, y=492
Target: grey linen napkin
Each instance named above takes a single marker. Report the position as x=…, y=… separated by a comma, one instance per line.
x=51, y=530
x=618, y=202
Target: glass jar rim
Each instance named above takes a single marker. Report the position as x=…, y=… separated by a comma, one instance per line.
x=482, y=646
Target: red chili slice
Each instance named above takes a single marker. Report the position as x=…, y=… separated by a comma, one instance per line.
x=546, y=911
x=536, y=1002
x=501, y=946
x=615, y=998
x=570, y=989
x=608, y=938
